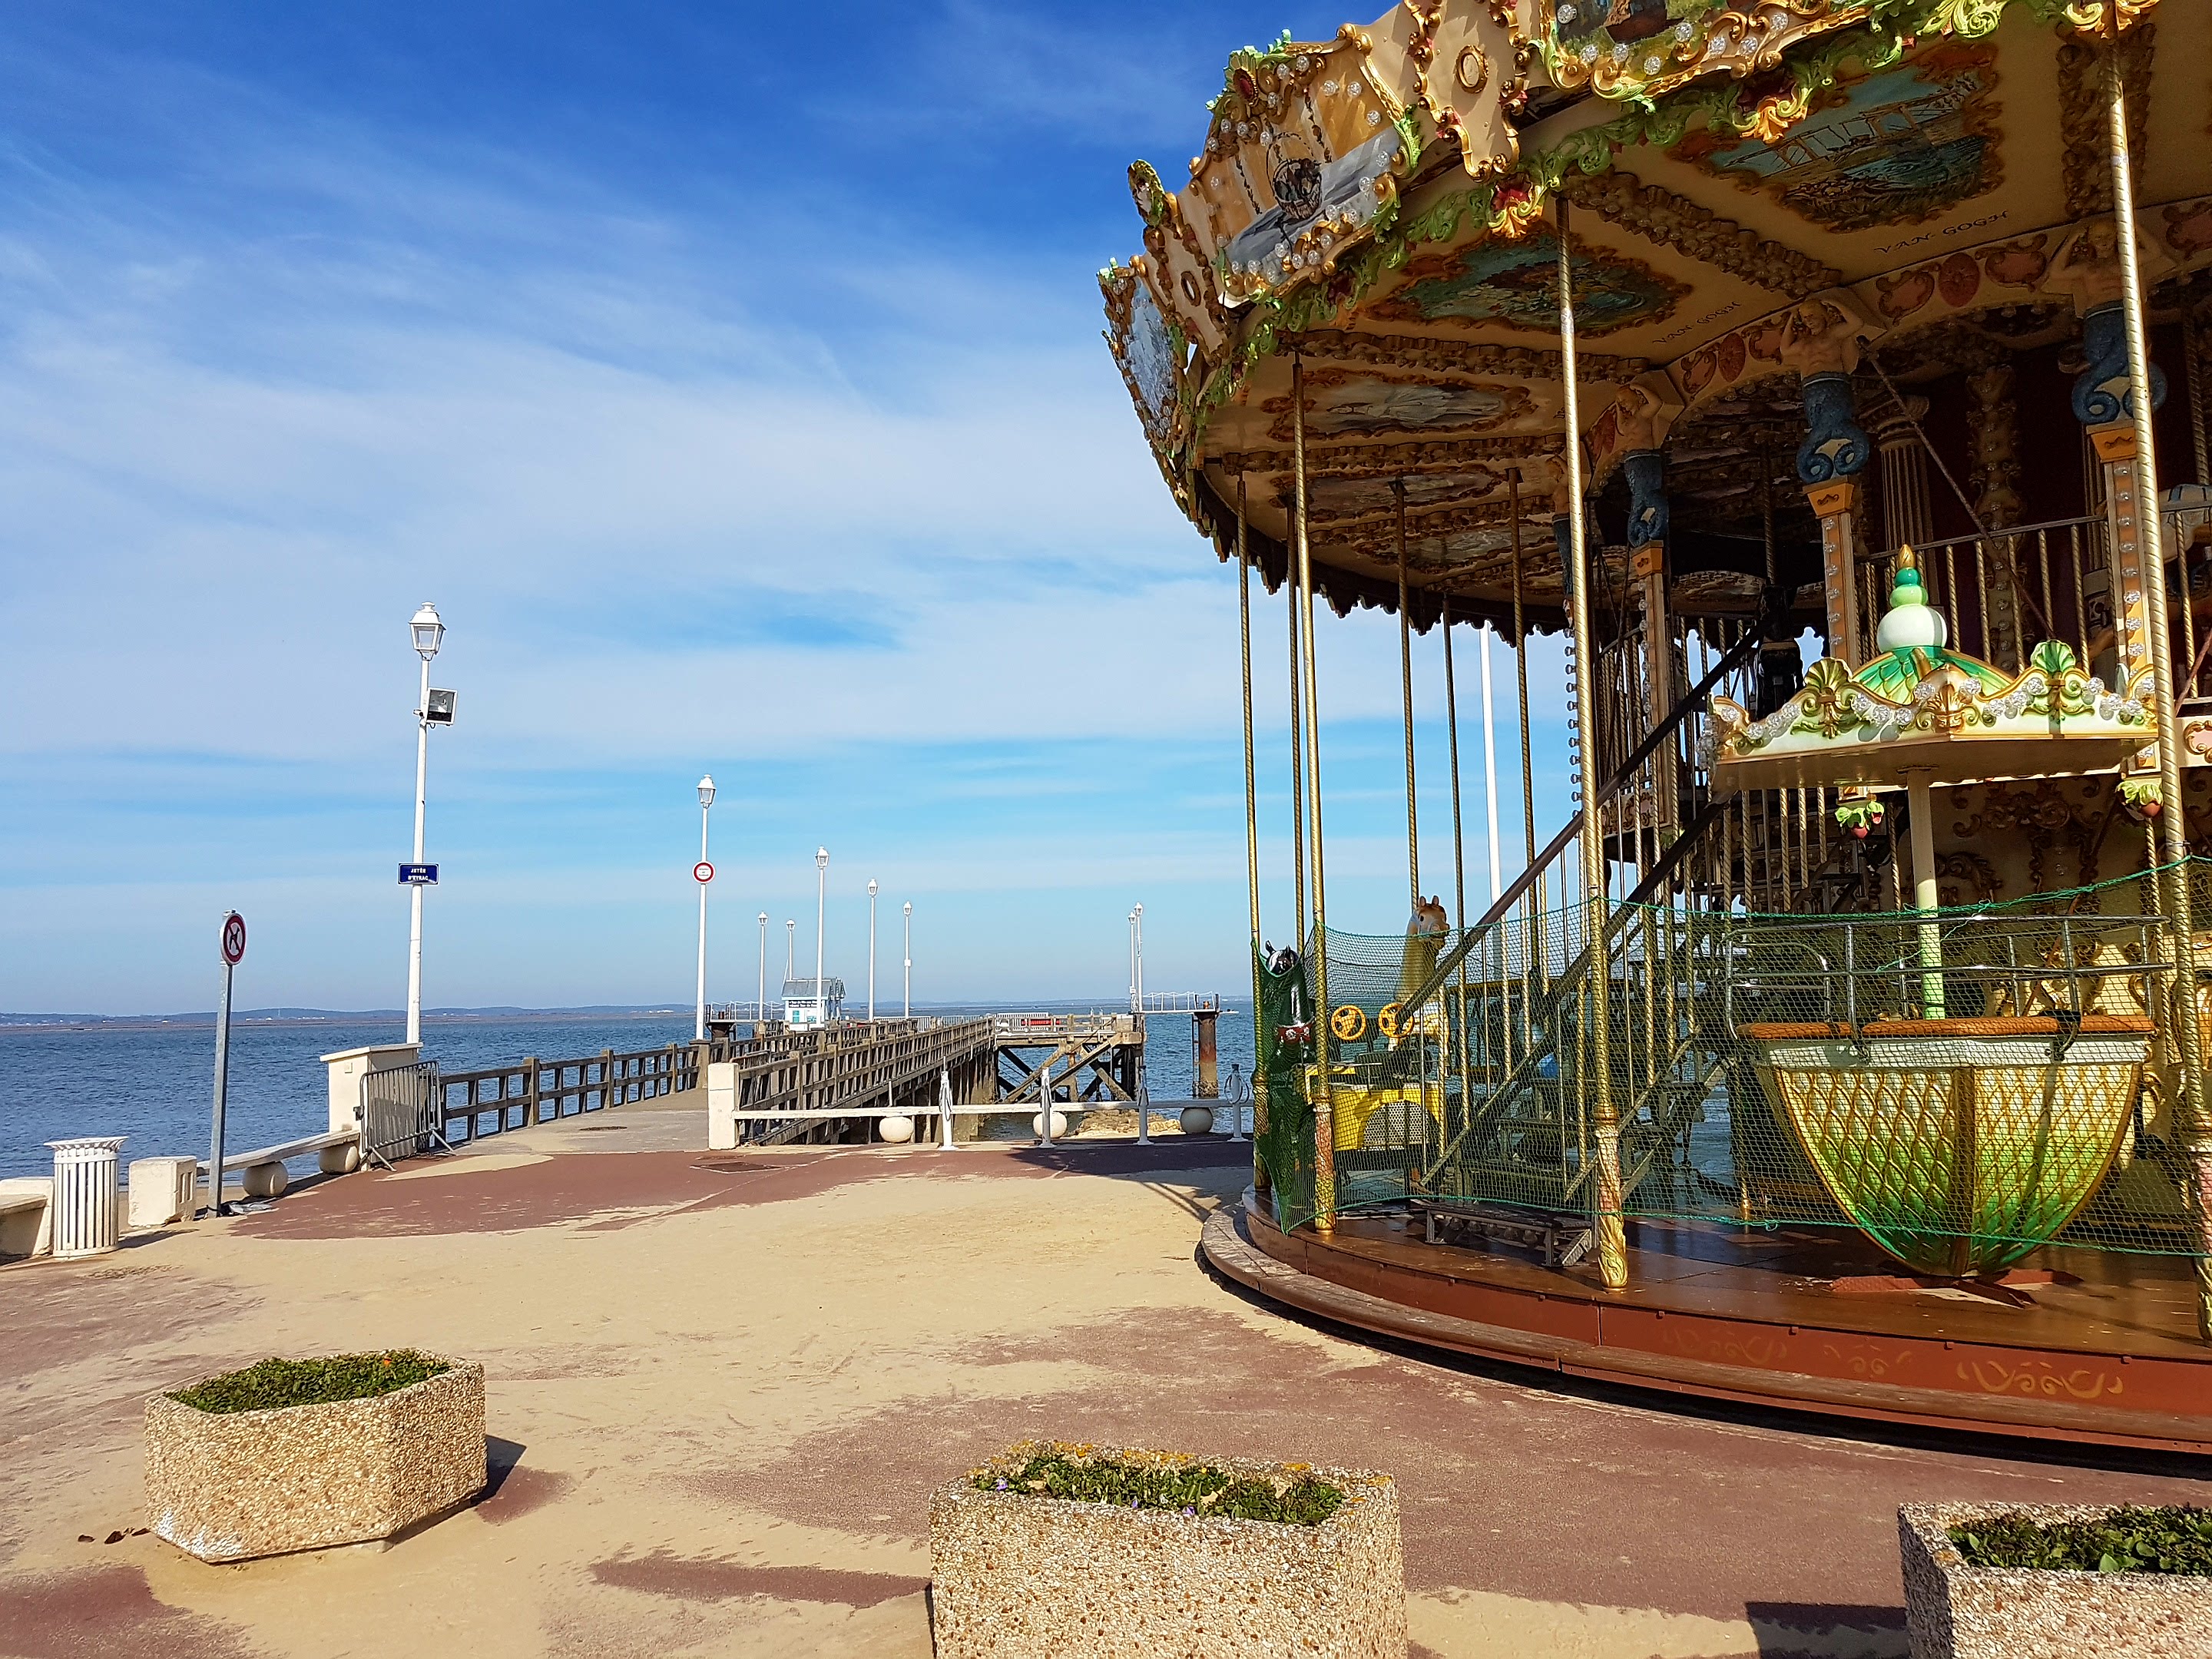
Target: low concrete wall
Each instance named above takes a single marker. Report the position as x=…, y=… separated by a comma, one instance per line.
x=226, y=1486
x=27, y=1217
x=1018, y=1576
x=1953, y=1611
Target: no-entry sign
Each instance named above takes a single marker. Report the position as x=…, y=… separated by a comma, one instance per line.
x=233, y=938
x=702, y=872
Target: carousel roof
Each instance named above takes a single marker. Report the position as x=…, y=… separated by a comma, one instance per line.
x=1757, y=190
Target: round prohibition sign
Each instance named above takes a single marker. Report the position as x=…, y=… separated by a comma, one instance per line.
x=233, y=938
x=702, y=872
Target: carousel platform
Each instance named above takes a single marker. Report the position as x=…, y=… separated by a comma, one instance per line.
x=2082, y=1348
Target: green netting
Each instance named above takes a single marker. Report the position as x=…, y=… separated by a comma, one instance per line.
x=1961, y=1088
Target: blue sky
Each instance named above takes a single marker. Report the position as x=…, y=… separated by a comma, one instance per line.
x=732, y=380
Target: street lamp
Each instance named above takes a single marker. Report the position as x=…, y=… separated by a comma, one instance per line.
x=760, y=997
x=821, y=910
x=906, y=996
x=790, y=949
x=871, y=950
x=705, y=873
x=428, y=634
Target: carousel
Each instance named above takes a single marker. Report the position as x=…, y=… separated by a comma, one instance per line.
x=1831, y=378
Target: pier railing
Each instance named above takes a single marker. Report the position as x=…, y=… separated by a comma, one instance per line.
x=833, y=1063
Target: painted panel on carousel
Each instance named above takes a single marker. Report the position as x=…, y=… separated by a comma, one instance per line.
x=1515, y=284
x=1641, y=48
x=1150, y=355
x=1895, y=147
x=1303, y=157
x=1343, y=402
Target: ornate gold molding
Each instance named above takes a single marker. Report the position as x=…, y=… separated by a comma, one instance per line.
x=1660, y=216
x=1456, y=356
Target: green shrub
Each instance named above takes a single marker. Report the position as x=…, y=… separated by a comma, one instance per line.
x=2176, y=1539
x=1193, y=1488
x=275, y=1383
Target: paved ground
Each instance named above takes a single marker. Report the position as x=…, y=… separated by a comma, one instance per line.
x=721, y=1387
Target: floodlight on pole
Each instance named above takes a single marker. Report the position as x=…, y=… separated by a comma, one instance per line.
x=760, y=997
x=871, y=950
x=705, y=873
x=821, y=910
x=427, y=634
x=906, y=995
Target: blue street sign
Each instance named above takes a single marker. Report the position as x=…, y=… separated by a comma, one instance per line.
x=419, y=875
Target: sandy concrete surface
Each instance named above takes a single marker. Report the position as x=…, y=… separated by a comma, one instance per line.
x=721, y=1387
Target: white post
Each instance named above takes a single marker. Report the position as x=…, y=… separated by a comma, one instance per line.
x=706, y=801
x=945, y=1103
x=821, y=910
x=906, y=995
x=414, y=896
x=760, y=997
x=1144, y=1090
x=871, y=950
x=1044, y=1096
x=790, y=947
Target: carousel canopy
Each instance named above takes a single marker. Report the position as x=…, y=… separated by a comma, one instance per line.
x=1757, y=192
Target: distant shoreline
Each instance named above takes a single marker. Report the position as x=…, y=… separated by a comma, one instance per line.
x=274, y=1018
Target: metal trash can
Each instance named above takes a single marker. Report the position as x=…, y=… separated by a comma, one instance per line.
x=86, y=1195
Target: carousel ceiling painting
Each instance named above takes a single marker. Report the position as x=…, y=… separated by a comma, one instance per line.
x=1516, y=284
x=1784, y=219
x=1894, y=149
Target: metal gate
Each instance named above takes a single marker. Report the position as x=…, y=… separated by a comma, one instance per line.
x=399, y=1113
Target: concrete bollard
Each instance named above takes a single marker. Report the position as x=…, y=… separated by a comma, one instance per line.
x=722, y=1106
x=896, y=1130
x=85, y=1195
x=163, y=1190
x=267, y=1180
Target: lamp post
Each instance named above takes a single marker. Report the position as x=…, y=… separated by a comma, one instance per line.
x=790, y=947
x=1137, y=1007
x=821, y=910
x=705, y=873
x=871, y=950
x=428, y=634
x=906, y=994
x=760, y=997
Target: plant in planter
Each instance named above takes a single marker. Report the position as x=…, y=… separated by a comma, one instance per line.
x=1998, y=1581
x=303, y=1454
x=1054, y=1548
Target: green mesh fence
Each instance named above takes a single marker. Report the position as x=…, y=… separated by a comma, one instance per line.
x=1961, y=1088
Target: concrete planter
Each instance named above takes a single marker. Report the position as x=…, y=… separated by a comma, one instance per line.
x=1953, y=1611
x=230, y=1486
x=1016, y=1575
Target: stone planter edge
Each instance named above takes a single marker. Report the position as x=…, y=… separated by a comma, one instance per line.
x=1019, y=1574
x=1954, y=1610
x=237, y=1485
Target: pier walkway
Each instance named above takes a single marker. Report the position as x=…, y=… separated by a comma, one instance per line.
x=722, y=1385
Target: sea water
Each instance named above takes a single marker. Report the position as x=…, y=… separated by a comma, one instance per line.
x=154, y=1083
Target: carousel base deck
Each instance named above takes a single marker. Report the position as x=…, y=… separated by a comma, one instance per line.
x=2107, y=1353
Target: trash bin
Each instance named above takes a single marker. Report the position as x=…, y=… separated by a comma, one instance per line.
x=85, y=1195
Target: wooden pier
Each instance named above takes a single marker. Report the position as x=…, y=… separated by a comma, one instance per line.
x=829, y=1085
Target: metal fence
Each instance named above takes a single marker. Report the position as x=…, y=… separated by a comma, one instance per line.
x=399, y=1113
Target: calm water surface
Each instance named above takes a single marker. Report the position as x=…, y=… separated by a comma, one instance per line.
x=156, y=1085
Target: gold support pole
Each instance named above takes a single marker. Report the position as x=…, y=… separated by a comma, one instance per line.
x=1297, y=757
x=1451, y=729
x=1405, y=689
x=2195, y=1133
x=1324, y=1101
x=1605, y=1124
x=1521, y=691
x=1251, y=827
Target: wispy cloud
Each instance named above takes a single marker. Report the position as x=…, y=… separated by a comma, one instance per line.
x=736, y=413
